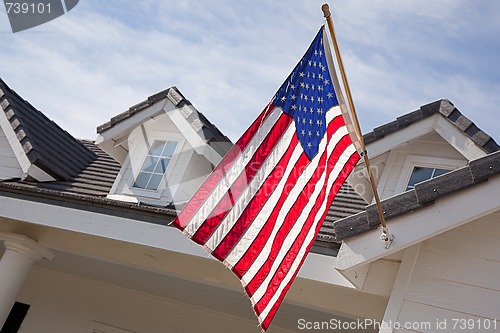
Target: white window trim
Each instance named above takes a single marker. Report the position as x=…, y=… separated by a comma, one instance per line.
x=412, y=161
x=143, y=151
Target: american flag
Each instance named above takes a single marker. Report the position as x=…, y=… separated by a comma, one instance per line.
x=260, y=210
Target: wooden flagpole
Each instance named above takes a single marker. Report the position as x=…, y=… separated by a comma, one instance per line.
x=328, y=16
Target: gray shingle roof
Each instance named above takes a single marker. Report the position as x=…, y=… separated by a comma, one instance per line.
x=96, y=179
x=205, y=129
x=45, y=144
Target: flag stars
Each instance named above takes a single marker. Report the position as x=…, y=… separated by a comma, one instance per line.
x=302, y=74
x=326, y=82
x=309, y=145
x=294, y=107
x=309, y=133
x=329, y=95
x=283, y=98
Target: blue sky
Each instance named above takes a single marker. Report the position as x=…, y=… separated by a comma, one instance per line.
x=229, y=57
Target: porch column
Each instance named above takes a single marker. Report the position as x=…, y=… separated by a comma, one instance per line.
x=20, y=254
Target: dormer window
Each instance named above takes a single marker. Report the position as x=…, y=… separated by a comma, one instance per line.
x=421, y=174
x=155, y=165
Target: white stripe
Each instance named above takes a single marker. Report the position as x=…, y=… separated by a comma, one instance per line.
x=232, y=174
x=252, y=187
x=297, y=227
x=289, y=201
x=247, y=239
x=344, y=158
x=261, y=219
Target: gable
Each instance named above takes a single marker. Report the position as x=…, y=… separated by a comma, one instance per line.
x=9, y=166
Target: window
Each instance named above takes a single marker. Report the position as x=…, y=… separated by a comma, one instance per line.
x=155, y=165
x=421, y=174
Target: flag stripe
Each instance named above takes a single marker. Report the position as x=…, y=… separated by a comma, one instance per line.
x=218, y=173
x=257, y=205
x=266, y=317
x=230, y=173
x=257, y=165
x=238, y=220
x=295, y=238
x=262, y=246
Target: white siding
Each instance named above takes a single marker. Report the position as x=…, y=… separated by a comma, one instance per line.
x=456, y=277
x=9, y=166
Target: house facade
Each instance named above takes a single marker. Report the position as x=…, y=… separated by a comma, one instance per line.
x=87, y=245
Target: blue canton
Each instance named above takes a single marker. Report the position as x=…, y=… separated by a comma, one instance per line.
x=307, y=94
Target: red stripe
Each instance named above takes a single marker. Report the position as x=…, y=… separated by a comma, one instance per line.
x=342, y=177
x=218, y=173
x=239, y=185
x=249, y=257
x=255, y=204
x=289, y=258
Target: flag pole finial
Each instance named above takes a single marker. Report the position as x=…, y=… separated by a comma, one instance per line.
x=326, y=10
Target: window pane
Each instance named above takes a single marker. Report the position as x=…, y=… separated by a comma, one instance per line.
x=154, y=182
x=161, y=167
x=157, y=148
x=420, y=175
x=169, y=149
x=149, y=164
x=439, y=172
x=142, y=180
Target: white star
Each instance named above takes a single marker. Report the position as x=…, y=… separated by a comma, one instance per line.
x=312, y=97
x=320, y=99
x=329, y=95
x=327, y=82
x=311, y=110
x=303, y=132
x=320, y=111
x=307, y=86
x=301, y=74
x=292, y=86
x=310, y=122
x=316, y=52
x=305, y=97
x=317, y=133
x=320, y=53
x=293, y=97
x=294, y=107
x=302, y=84
x=309, y=145
x=309, y=133
x=304, y=121
x=283, y=98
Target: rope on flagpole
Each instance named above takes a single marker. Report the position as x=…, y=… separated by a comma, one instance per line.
x=385, y=236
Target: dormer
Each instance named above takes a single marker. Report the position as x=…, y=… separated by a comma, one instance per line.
x=418, y=146
x=166, y=149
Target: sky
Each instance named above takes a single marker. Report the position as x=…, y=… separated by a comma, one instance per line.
x=228, y=58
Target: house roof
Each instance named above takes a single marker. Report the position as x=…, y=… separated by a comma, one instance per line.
x=209, y=133
x=448, y=111
x=44, y=143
